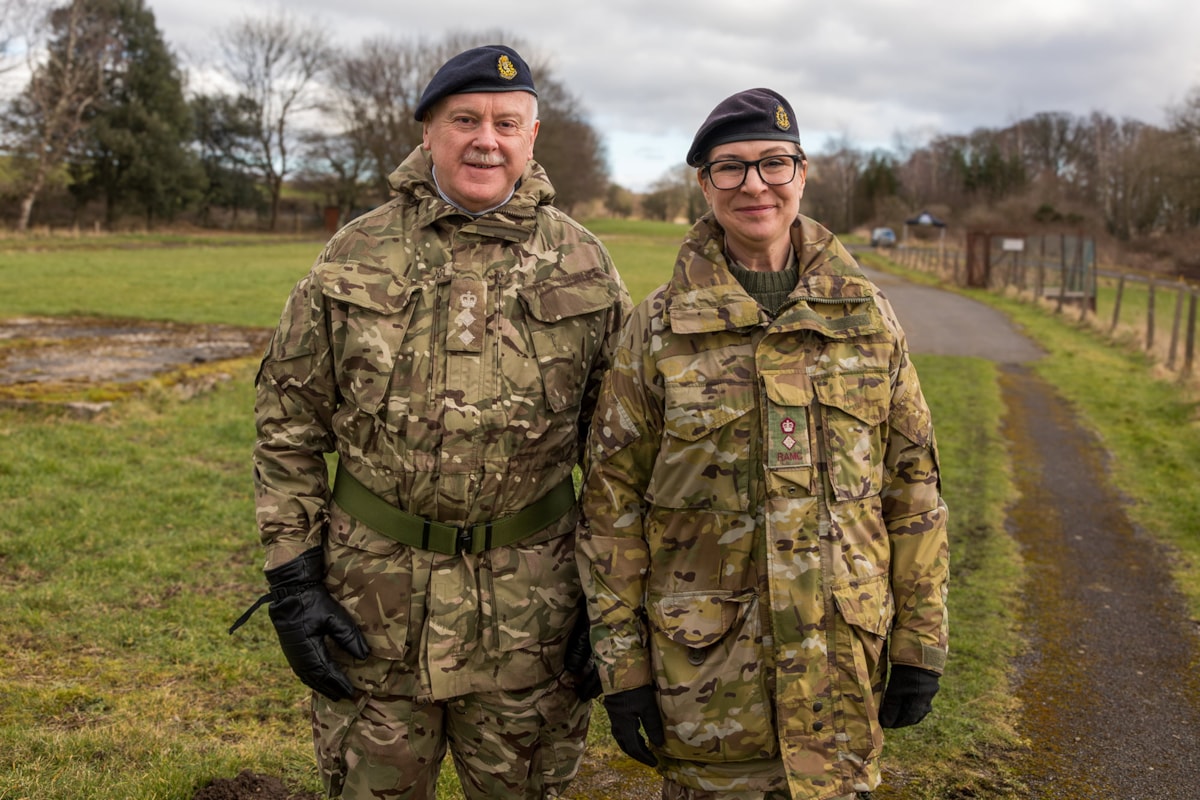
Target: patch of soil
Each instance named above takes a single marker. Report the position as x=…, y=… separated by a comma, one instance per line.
x=249, y=785
x=56, y=356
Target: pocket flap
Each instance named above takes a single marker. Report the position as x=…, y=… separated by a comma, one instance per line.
x=697, y=620
x=866, y=604
x=694, y=410
x=373, y=288
x=862, y=395
x=569, y=296
x=788, y=388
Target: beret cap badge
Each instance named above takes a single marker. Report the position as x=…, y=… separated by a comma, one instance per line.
x=781, y=118
x=755, y=114
x=490, y=68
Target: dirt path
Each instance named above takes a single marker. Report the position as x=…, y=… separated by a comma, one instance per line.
x=1110, y=688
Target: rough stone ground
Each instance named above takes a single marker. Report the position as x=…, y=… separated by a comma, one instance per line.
x=61, y=359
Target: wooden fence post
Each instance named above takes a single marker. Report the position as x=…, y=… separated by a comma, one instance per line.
x=1189, y=345
x=1117, y=305
x=1150, y=315
x=1174, y=348
x=1040, y=289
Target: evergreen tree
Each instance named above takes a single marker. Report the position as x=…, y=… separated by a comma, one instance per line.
x=135, y=153
x=225, y=130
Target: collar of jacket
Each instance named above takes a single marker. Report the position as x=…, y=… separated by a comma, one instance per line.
x=703, y=296
x=515, y=221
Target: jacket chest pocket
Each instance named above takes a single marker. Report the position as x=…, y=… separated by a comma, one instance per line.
x=853, y=408
x=371, y=331
x=704, y=460
x=566, y=321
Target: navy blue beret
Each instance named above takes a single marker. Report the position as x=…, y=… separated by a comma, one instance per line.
x=491, y=68
x=752, y=114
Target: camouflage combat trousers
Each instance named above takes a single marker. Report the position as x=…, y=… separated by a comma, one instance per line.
x=512, y=745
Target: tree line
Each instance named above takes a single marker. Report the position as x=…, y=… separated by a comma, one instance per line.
x=104, y=121
x=1120, y=178
x=105, y=127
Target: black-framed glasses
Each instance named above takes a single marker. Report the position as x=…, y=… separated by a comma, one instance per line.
x=730, y=173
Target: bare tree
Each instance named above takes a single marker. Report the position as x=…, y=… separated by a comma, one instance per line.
x=835, y=175
x=47, y=118
x=1050, y=144
x=275, y=61
x=334, y=165
x=1185, y=130
x=375, y=89
x=569, y=148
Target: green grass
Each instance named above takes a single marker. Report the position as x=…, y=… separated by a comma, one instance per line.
x=1133, y=315
x=644, y=252
x=233, y=284
x=959, y=750
x=127, y=547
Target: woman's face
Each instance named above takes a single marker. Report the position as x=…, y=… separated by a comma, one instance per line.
x=756, y=214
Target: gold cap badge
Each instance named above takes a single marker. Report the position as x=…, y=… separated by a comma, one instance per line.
x=506, y=69
x=781, y=118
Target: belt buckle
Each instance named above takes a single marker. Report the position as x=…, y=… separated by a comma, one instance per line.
x=463, y=540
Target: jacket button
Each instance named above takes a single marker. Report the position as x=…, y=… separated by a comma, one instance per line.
x=817, y=706
x=818, y=725
x=695, y=657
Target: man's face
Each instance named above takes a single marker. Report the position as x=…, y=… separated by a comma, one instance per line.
x=480, y=143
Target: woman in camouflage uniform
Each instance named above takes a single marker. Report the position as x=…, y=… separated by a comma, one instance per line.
x=765, y=531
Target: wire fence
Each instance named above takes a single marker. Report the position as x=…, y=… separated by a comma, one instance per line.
x=1155, y=314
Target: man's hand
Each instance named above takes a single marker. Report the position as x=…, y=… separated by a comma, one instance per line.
x=304, y=613
x=908, y=697
x=578, y=659
x=630, y=712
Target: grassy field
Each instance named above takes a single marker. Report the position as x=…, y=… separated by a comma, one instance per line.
x=127, y=545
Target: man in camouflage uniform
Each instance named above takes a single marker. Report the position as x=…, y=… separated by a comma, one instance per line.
x=447, y=347
x=764, y=527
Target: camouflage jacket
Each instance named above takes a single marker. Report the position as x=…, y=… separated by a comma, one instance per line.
x=764, y=526
x=450, y=363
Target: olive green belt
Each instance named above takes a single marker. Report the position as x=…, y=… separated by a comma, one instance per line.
x=369, y=508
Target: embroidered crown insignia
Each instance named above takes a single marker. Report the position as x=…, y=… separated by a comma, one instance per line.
x=781, y=118
x=506, y=69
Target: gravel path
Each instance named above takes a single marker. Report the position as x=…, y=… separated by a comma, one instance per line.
x=1110, y=687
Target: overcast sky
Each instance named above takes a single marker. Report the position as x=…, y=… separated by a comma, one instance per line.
x=647, y=72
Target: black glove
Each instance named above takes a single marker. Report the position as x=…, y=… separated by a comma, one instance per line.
x=578, y=659
x=908, y=697
x=628, y=713
x=304, y=613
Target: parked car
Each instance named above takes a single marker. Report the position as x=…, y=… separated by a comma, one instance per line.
x=883, y=237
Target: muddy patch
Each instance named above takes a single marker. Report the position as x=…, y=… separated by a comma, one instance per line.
x=82, y=360
x=249, y=785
